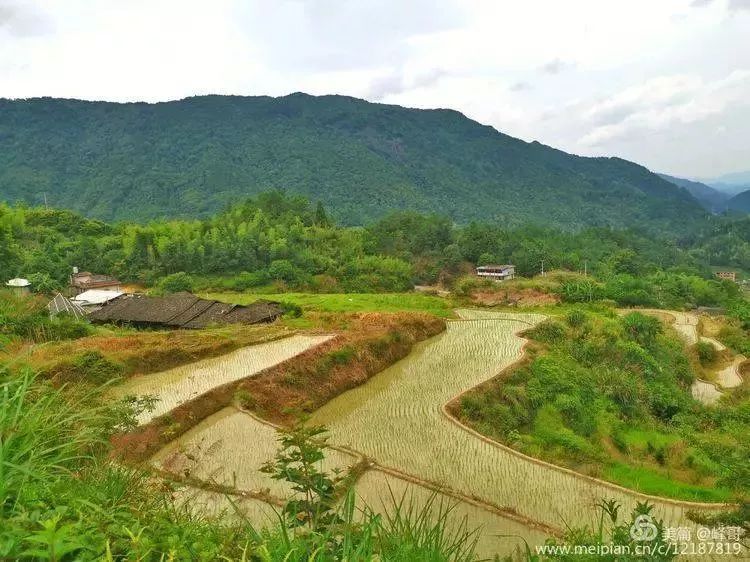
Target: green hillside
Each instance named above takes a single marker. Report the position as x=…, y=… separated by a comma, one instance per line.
x=740, y=202
x=194, y=156
x=712, y=199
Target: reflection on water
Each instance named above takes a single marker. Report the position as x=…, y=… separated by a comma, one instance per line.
x=396, y=418
x=178, y=385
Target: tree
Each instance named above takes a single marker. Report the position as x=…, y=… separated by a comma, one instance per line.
x=297, y=461
x=43, y=283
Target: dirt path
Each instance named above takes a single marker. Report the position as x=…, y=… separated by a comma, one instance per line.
x=176, y=386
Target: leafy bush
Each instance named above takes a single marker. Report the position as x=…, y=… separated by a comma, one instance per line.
x=176, y=283
x=642, y=328
x=549, y=331
x=43, y=283
x=291, y=309
x=706, y=352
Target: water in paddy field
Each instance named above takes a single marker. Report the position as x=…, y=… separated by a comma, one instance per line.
x=228, y=448
x=397, y=419
x=178, y=385
x=496, y=534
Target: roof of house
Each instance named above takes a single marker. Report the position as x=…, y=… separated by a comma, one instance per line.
x=87, y=279
x=183, y=310
x=61, y=305
x=96, y=296
x=504, y=266
x=18, y=282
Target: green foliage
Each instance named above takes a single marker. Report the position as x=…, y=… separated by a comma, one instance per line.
x=281, y=239
x=642, y=328
x=94, y=367
x=614, y=536
x=194, y=156
x=176, y=282
x=43, y=283
x=706, y=352
x=297, y=462
x=62, y=498
x=28, y=318
x=605, y=390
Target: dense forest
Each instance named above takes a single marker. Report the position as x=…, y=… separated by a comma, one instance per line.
x=191, y=158
x=280, y=242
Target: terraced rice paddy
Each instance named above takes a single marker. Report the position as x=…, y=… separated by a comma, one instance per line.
x=705, y=392
x=379, y=492
x=176, y=386
x=230, y=508
x=729, y=377
x=686, y=325
x=229, y=448
x=397, y=419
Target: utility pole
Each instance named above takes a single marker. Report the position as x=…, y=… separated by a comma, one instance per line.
x=45, y=200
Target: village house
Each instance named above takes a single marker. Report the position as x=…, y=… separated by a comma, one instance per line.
x=497, y=272
x=86, y=281
x=182, y=310
x=728, y=275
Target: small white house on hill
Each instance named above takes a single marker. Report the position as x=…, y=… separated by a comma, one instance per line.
x=497, y=272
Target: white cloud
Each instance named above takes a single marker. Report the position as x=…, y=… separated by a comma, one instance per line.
x=584, y=75
x=660, y=102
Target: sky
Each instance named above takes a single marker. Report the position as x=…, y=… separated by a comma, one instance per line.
x=665, y=83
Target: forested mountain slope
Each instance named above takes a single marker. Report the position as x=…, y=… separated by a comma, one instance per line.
x=740, y=202
x=194, y=156
x=712, y=199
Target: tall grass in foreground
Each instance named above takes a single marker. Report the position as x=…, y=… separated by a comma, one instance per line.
x=61, y=498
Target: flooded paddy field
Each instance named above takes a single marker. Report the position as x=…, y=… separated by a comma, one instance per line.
x=379, y=492
x=178, y=385
x=398, y=420
x=231, y=508
x=228, y=448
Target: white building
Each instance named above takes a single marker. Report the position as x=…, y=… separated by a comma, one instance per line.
x=497, y=272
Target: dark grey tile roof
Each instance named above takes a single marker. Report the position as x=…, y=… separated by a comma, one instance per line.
x=183, y=310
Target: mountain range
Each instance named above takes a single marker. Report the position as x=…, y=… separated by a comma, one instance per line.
x=712, y=199
x=189, y=158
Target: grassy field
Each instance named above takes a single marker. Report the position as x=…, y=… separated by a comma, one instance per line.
x=349, y=302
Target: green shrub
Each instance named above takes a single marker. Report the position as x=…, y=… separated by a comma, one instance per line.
x=642, y=328
x=247, y=280
x=549, y=331
x=706, y=352
x=576, y=318
x=291, y=309
x=93, y=367
x=176, y=283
